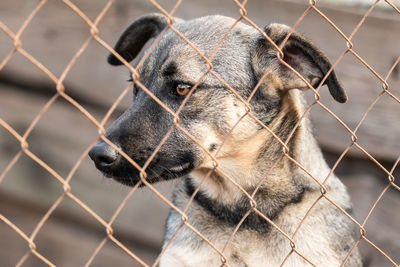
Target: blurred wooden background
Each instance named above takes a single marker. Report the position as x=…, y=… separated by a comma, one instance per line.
x=56, y=33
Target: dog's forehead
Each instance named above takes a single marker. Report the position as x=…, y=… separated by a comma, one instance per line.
x=204, y=35
x=211, y=28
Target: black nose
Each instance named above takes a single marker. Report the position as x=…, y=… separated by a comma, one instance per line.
x=103, y=155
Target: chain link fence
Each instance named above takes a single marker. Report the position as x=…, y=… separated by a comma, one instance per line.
x=61, y=92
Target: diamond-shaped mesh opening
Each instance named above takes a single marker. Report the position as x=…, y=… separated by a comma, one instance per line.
x=67, y=97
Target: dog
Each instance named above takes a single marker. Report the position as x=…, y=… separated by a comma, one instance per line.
x=245, y=146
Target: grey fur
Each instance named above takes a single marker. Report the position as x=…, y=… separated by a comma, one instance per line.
x=247, y=156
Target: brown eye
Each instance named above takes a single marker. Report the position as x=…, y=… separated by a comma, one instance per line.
x=182, y=89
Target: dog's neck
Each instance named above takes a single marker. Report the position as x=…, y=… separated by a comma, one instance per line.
x=264, y=163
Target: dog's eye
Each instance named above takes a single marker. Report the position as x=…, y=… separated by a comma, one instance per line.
x=182, y=89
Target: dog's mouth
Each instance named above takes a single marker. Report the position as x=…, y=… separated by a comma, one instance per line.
x=130, y=176
x=180, y=169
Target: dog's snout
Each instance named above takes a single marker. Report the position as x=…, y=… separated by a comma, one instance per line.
x=103, y=155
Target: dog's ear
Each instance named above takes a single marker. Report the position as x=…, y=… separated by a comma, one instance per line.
x=137, y=34
x=301, y=55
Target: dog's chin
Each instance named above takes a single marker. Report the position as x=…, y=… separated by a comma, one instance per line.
x=132, y=177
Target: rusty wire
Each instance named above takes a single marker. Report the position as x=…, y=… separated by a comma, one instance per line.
x=62, y=92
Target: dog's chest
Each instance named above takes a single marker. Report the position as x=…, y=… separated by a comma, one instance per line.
x=246, y=248
x=247, y=253
x=205, y=246
x=207, y=255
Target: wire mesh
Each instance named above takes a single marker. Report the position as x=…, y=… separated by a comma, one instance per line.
x=61, y=92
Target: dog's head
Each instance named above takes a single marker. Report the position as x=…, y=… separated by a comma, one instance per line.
x=212, y=109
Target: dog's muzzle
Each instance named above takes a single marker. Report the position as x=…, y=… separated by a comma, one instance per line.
x=162, y=167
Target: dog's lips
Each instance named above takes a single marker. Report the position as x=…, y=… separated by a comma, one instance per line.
x=179, y=170
x=169, y=173
x=180, y=167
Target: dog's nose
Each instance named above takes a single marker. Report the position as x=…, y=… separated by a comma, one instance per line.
x=103, y=155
